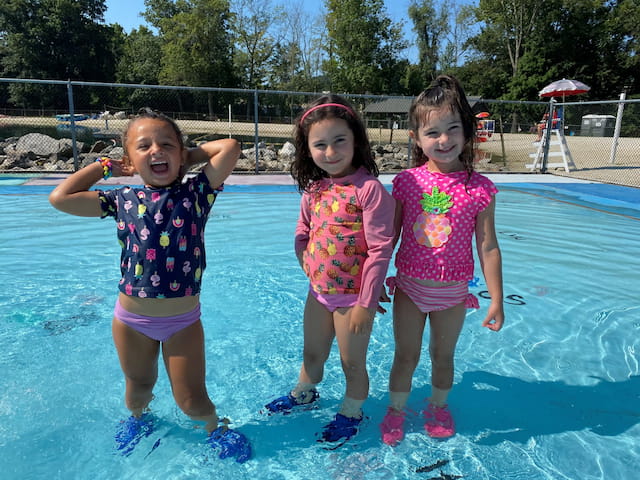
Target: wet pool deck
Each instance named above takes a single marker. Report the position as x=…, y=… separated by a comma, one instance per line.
x=285, y=179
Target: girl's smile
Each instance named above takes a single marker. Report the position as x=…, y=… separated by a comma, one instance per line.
x=331, y=145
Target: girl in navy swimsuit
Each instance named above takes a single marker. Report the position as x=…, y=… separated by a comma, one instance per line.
x=160, y=228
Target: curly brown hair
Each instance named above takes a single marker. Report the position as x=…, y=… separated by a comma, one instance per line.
x=303, y=170
x=444, y=92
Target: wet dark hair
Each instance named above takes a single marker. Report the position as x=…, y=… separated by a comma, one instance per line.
x=443, y=92
x=147, y=112
x=303, y=170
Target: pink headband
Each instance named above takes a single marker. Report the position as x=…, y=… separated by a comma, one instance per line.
x=313, y=109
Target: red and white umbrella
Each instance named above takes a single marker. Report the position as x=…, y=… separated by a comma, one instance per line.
x=483, y=115
x=564, y=88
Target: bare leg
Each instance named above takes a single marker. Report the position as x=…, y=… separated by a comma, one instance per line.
x=318, y=337
x=184, y=360
x=445, y=331
x=353, y=355
x=138, y=356
x=408, y=329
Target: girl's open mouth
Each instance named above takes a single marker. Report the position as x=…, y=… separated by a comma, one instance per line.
x=159, y=167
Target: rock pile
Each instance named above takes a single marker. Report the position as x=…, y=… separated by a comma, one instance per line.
x=36, y=152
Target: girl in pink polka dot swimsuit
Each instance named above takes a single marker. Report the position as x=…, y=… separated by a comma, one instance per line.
x=441, y=205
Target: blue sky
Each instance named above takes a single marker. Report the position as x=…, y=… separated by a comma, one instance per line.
x=127, y=12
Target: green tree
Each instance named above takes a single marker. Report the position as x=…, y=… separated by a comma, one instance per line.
x=511, y=22
x=197, y=47
x=297, y=62
x=503, y=41
x=430, y=28
x=594, y=41
x=54, y=39
x=257, y=36
x=363, y=48
x=140, y=59
x=196, y=44
x=624, y=25
x=139, y=63
x=457, y=40
x=283, y=71
x=487, y=70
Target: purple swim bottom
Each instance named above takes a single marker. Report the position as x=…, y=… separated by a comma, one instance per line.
x=157, y=328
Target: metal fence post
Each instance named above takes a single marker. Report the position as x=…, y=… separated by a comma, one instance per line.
x=72, y=123
x=256, y=136
x=616, y=132
x=504, y=152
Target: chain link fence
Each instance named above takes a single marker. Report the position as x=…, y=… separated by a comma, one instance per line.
x=597, y=141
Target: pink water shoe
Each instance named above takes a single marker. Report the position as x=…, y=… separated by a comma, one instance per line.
x=392, y=427
x=439, y=422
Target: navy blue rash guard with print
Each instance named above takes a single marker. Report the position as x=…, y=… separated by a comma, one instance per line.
x=161, y=232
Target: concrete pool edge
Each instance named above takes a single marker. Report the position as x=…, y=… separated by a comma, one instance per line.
x=285, y=179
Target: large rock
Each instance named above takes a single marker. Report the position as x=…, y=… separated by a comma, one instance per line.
x=42, y=146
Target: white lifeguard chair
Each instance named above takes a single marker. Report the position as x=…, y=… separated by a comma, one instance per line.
x=485, y=129
x=557, y=147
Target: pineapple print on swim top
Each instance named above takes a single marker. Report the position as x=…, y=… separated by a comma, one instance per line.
x=438, y=222
x=432, y=228
x=337, y=248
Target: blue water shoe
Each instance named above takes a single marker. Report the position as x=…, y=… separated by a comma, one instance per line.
x=341, y=427
x=287, y=403
x=231, y=444
x=131, y=431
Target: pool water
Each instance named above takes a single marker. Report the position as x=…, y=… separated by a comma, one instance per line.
x=554, y=395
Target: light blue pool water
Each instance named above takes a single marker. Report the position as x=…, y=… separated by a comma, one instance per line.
x=554, y=395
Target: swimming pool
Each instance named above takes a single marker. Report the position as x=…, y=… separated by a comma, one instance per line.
x=554, y=395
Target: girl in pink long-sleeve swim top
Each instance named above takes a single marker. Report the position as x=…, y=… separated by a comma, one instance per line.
x=344, y=242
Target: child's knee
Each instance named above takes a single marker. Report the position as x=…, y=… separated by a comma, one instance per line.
x=314, y=357
x=354, y=369
x=201, y=410
x=194, y=404
x=441, y=359
x=406, y=360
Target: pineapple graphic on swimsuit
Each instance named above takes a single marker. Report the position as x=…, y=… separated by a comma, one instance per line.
x=164, y=239
x=432, y=228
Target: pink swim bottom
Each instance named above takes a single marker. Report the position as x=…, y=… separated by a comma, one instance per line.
x=157, y=328
x=433, y=299
x=333, y=302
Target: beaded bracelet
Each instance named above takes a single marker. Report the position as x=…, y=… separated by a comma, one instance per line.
x=106, y=167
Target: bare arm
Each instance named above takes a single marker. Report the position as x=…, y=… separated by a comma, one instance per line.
x=361, y=320
x=221, y=157
x=491, y=263
x=302, y=231
x=397, y=228
x=397, y=231
x=73, y=195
